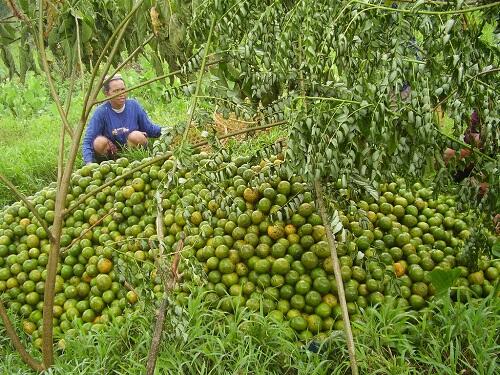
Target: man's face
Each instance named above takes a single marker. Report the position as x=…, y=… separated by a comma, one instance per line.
x=116, y=87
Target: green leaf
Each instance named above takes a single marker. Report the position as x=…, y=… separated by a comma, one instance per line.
x=443, y=280
x=86, y=32
x=495, y=249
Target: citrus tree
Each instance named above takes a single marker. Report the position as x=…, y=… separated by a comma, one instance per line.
x=343, y=83
x=364, y=86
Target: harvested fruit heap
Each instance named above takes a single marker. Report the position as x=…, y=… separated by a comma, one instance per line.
x=254, y=231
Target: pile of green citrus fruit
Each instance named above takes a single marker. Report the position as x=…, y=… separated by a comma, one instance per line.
x=254, y=230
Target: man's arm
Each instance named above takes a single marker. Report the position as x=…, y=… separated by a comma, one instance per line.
x=145, y=124
x=94, y=129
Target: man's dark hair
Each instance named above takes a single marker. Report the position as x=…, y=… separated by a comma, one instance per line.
x=108, y=80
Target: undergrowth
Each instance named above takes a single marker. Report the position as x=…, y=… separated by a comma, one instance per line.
x=446, y=338
x=29, y=154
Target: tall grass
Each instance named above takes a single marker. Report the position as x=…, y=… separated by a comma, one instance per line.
x=446, y=338
x=29, y=153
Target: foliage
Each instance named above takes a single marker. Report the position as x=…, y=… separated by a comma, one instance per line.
x=24, y=101
x=362, y=81
x=75, y=30
x=255, y=145
x=358, y=82
x=430, y=343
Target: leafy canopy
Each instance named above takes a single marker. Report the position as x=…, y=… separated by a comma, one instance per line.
x=88, y=24
x=363, y=85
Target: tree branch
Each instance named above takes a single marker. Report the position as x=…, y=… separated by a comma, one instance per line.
x=16, y=11
x=45, y=65
x=243, y=131
x=47, y=338
x=328, y=99
x=495, y=70
x=198, y=84
x=118, y=34
x=168, y=284
x=145, y=83
x=131, y=56
x=338, y=277
x=79, y=54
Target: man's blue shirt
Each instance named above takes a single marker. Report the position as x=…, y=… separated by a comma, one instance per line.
x=117, y=126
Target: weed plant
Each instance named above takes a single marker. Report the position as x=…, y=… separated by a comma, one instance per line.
x=445, y=338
